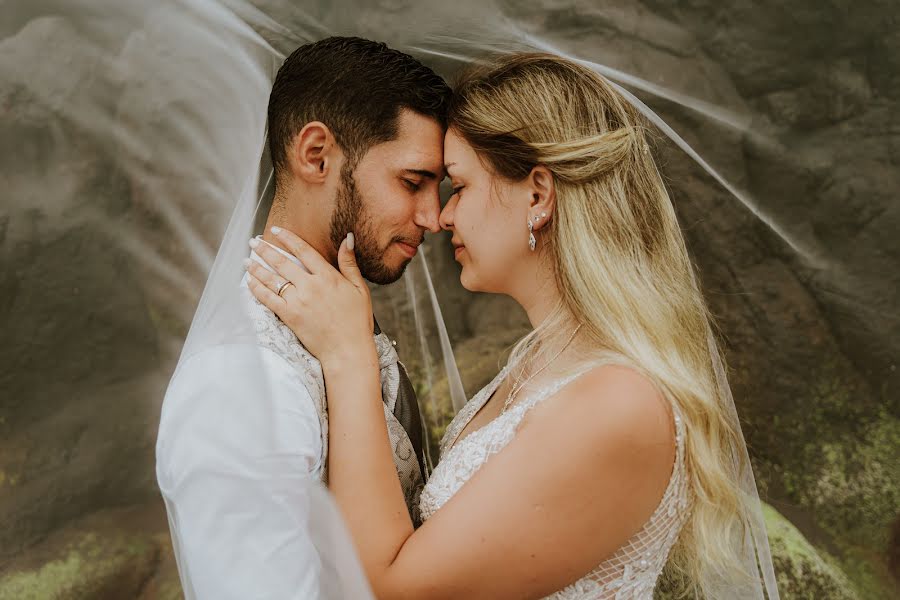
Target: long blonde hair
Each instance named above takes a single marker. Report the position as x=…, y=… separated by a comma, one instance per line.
x=621, y=266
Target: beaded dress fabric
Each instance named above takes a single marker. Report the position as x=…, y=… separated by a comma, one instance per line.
x=632, y=571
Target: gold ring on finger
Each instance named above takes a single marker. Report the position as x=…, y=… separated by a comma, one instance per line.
x=283, y=287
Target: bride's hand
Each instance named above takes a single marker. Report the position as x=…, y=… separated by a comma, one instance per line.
x=329, y=311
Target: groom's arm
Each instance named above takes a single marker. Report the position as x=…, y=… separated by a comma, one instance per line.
x=239, y=448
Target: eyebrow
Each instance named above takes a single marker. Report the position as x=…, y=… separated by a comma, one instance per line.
x=422, y=173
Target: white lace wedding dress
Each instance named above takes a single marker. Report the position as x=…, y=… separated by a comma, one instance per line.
x=632, y=571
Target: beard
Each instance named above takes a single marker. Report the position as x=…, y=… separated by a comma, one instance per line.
x=350, y=214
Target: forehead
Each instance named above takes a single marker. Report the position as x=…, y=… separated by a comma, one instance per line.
x=457, y=153
x=419, y=145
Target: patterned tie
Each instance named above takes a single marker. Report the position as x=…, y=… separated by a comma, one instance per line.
x=406, y=410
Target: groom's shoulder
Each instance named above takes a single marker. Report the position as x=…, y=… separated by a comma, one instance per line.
x=234, y=388
x=229, y=404
x=234, y=384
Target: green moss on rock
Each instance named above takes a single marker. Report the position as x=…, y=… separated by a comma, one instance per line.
x=801, y=570
x=849, y=476
x=88, y=566
x=839, y=466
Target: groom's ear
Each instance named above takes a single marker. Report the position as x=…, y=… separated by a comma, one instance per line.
x=543, y=195
x=312, y=152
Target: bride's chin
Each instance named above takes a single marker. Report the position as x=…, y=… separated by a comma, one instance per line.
x=467, y=282
x=464, y=281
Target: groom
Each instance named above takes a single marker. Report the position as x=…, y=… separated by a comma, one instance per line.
x=356, y=140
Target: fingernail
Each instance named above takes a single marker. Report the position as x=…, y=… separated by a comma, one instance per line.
x=276, y=230
x=350, y=241
x=254, y=242
x=247, y=262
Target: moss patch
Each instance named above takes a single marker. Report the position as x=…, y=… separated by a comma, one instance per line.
x=851, y=480
x=801, y=570
x=839, y=464
x=89, y=565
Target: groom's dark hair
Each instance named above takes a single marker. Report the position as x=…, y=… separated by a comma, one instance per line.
x=357, y=88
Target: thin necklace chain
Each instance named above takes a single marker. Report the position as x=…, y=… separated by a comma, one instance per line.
x=512, y=395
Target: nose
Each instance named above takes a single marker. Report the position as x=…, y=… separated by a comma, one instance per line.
x=428, y=214
x=446, y=217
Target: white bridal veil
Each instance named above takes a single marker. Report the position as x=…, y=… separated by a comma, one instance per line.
x=161, y=108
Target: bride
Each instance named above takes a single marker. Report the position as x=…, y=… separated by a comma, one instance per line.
x=606, y=448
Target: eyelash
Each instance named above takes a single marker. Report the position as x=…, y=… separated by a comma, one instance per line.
x=456, y=190
x=412, y=185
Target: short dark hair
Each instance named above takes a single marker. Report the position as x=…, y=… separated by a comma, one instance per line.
x=356, y=87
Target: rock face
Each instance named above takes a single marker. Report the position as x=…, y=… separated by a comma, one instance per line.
x=796, y=106
x=111, y=554
x=801, y=570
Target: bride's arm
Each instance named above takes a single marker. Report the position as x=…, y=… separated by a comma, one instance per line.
x=582, y=475
x=584, y=472
x=362, y=474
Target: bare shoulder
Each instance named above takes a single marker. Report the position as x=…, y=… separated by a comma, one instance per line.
x=624, y=396
x=618, y=412
x=612, y=437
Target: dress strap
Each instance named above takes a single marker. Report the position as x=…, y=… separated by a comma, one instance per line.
x=542, y=394
x=471, y=408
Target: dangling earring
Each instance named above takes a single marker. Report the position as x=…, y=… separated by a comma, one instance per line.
x=532, y=242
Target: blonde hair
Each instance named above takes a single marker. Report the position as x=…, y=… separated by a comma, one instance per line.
x=622, y=269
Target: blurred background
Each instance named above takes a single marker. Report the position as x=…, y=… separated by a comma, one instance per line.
x=113, y=208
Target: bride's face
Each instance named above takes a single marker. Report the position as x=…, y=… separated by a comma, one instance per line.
x=488, y=217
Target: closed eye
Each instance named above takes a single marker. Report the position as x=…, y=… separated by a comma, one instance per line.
x=412, y=185
x=457, y=190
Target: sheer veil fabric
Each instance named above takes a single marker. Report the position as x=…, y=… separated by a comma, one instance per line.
x=173, y=95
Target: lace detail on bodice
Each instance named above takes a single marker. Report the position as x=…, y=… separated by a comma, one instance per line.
x=632, y=571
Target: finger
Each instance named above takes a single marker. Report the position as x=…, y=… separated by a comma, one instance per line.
x=308, y=255
x=278, y=262
x=271, y=280
x=267, y=297
x=347, y=263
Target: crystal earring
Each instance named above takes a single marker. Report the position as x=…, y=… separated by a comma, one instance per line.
x=531, y=241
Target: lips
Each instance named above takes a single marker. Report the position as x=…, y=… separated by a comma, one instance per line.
x=408, y=249
x=458, y=248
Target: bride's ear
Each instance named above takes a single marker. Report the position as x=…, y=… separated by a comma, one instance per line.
x=543, y=196
x=312, y=152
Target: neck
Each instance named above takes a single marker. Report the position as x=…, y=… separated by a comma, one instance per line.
x=536, y=291
x=302, y=214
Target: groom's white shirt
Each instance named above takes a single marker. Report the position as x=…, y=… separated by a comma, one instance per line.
x=235, y=464
x=243, y=433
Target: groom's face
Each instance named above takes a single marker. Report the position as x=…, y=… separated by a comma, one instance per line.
x=391, y=198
